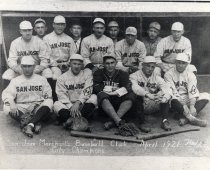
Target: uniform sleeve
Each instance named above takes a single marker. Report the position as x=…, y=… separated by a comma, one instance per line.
x=118, y=54
x=164, y=87
x=44, y=54
x=62, y=93
x=159, y=51
x=73, y=48
x=188, y=49
x=142, y=52
x=13, y=57
x=88, y=88
x=124, y=81
x=9, y=94
x=98, y=84
x=85, y=51
x=192, y=86
x=110, y=47
x=47, y=91
x=169, y=80
x=138, y=90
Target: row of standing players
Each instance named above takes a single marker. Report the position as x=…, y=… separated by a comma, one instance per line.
x=111, y=63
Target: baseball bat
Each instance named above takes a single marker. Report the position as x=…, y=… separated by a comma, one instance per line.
x=136, y=139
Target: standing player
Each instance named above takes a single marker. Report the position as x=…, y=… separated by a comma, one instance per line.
x=96, y=45
x=113, y=31
x=27, y=45
x=152, y=91
x=152, y=39
x=40, y=27
x=170, y=46
x=74, y=90
x=114, y=94
x=130, y=51
x=186, y=98
x=28, y=98
x=76, y=31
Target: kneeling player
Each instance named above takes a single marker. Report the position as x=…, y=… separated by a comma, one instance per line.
x=74, y=91
x=112, y=88
x=152, y=91
x=28, y=98
x=186, y=98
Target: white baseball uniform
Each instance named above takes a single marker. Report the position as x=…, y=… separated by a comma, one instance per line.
x=19, y=48
x=71, y=88
x=27, y=93
x=141, y=85
x=93, y=49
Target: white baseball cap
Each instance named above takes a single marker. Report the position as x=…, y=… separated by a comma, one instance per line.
x=25, y=25
x=113, y=24
x=149, y=59
x=59, y=19
x=183, y=57
x=40, y=20
x=131, y=31
x=27, y=60
x=109, y=56
x=99, y=20
x=155, y=25
x=76, y=57
x=177, y=26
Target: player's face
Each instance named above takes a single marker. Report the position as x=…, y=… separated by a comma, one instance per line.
x=40, y=29
x=59, y=28
x=28, y=70
x=130, y=39
x=76, y=66
x=76, y=30
x=26, y=34
x=181, y=66
x=177, y=35
x=153, y=33
x=148, y=68
x=98, y=29
x=113, y=32
x=110, y=64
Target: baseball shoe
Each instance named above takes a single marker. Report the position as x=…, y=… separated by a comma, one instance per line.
x=37, y=128
x=68, y=123
x=166, y=125
x=183, y=121
x=144, y=128
x=28, y=131
x=109, y=125
x=198, y=122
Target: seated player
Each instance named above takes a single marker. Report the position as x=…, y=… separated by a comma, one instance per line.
x=111, y=85
x=152, y=91
x=74, y=91
x=28, y=98
x=187, y=100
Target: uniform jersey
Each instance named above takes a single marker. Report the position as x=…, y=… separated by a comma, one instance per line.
x=167, y=49
x=184, y=85
x=62, y=46
x=93, y=49
x=150, y=45
x=130, y=54
x=24, y=90
x=35, y=47
x=70, y=87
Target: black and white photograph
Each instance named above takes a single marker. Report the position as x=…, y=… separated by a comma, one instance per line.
x=104, y=85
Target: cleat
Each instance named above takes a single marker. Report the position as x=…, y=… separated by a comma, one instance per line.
x=28, y=131
x=109, y=125
x=166, y=125
x=144, y=128
x=183, y=121
x=37, y=128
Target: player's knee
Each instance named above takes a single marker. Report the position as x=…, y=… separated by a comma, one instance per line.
x=93, y=100
x=9, y=74
x=47, y=73
x=57, y=106
x=48, y=103
x=204, y=96
x=56, y=72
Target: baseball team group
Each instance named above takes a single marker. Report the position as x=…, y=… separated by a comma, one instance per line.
x=77, y=77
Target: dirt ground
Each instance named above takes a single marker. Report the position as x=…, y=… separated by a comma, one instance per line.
x=54, y=140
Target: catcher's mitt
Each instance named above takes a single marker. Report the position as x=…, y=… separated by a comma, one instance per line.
x=128, y=129
x=77, y=124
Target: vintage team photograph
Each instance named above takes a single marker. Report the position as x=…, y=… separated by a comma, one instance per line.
x=95, y=83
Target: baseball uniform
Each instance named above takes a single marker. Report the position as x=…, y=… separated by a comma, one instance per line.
x=150, y=45
x=93, y=49
x=19, y=48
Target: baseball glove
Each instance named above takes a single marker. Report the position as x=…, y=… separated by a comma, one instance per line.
x=77, y=124
x=128, y=129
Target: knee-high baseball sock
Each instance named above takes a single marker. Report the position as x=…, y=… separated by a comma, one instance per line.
x=124, y=108
x=53, y=85
x=199, y=105
x=64, y=114
x=109, y=109
x=87, y=110
x=41, y=112
x=139, y=109
x=164, y=109
x=178, y=107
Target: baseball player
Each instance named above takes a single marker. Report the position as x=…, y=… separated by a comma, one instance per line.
x=113, y=31
x=187, y=100
x=76, y=31
x=153, y=38
x=96, y=45
x=74, y=91
x=114, y=94
x=152, y=91
x=28, y=98
x=62, y=47
x=170, y=46
x=40, y=27
x=130, y=51
x=27, y=45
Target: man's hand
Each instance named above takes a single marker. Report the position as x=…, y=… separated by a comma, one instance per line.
x=193, y=111
x=18, y=69
x=38, y=69
x=14, y=109
x=113, y=93
x=151, y=96
x=75, y=109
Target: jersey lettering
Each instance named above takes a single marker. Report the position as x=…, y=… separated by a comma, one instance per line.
x=111, y=83
x=174, y=51
x=75, y=86
x=28, y=88
x=61, y=44
x=26, y=53
x=102, y=49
